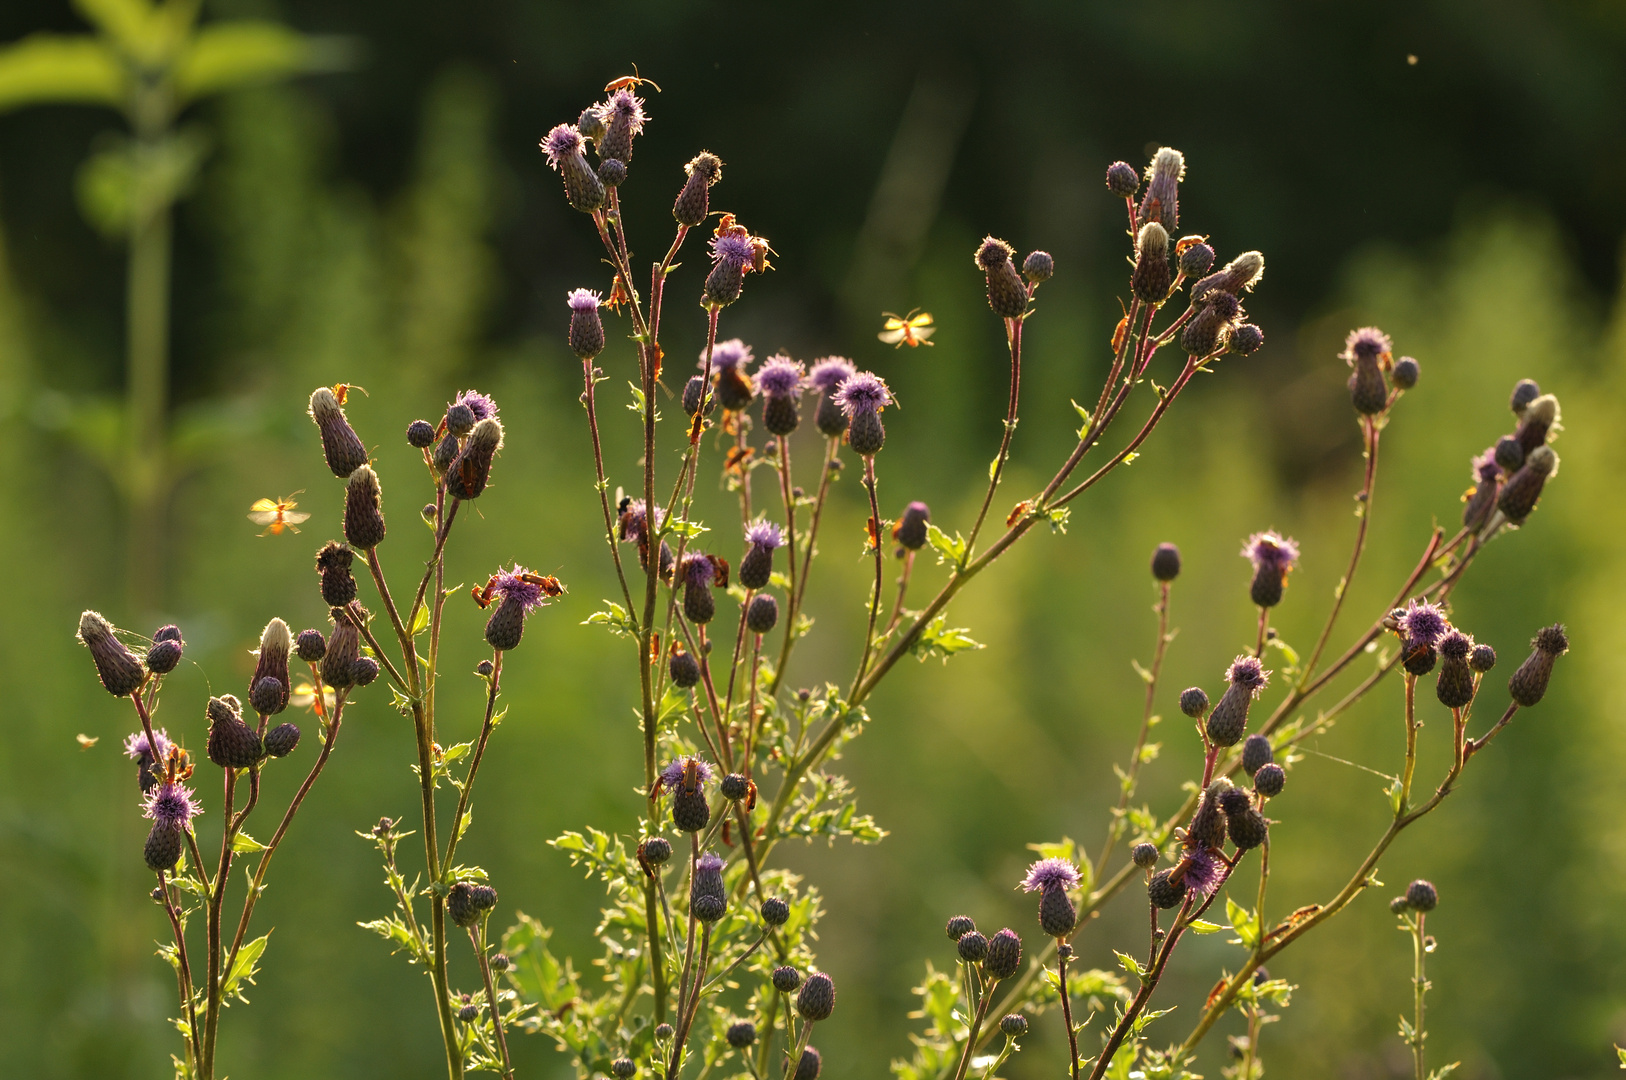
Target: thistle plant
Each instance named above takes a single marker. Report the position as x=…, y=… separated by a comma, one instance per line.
x=708, y=934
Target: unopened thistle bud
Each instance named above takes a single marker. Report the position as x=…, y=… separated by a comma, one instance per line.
x=756, y=568
x=1151, y=278
x=809, y=1067
x=1523, y=488
x=785, y=979
x=1420, y=661
x=656, y=850
x=708, y=899
x=1194, y=701
x=1508, y=454
x=1273, y=557
x=1039, y=267
x=268, y=695
x=1164, y=891
x=163, y=657
x=1482, y=659
x=1013, y=1026
x=780, y=381
x=1240, y=274
x=1481, y=498
x=1538, y=420
x=1051, y=878
x=363, y=509
x=591, y=123
x=460, y=418
x=663, y=1032
x=694, y=201
x=333, y=562
x=364, y=671
x=1006, y=293
x=1166, y=562
x=445, y=453
x=1524, y=392
x=121, y=673
x=1230, y=717
x=1256, y=753
x=693, y=391
x=1405, y=373
x=1529, y=683
x=420, y=434
x=1196, y=259
x=1269, y=780
x=1247, y=829
x=1422, y=895
x=817, y=998
x=163, y=847
x=959, y=926
x=468, y=475
x=343, y=649
x=566, y=153
x=232, y=744
x=1455, y=685
x=910, y=531
x=862, y=397
x=1004, y=957
x=972, y=947
x=612, y=173
x=734, y=787
x=340, y=444
x=775, y=911
x=1399, y=905
x=1207, y=331
x=1122, y=179
x=1161, y=202
x=1246, y=339
x=586, y=328
x=1207, y=828
x=310, y=646
x=826, y=377
x=468, y=901
x=741, y=1034
x=683, y=668
x=762, y=613
x=281, y=740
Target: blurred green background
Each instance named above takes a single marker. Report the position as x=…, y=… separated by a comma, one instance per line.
x=1447, y=170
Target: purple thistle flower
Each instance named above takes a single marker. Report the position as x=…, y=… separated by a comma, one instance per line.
x=764, y=534
x=1367, y=341
x=563, y=142
x=672, y=775
x=734, y=249
x=136, y=748
x=633, y=524
x=1248, y=673
x=1423, y=625
x=627, y=108
x=1485, y=468
x=828, y=374
x=698, y=570
x=780, y=376
x=170, y=805
x=583, y=300
x=1050, y=874
x=1203, y=873
x=726, y=355
x=710, y=863
x=512, y=585
x=480, y=404
x=1271, y=549
x=863, y=394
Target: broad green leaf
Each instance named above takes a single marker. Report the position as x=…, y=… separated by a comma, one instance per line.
x=1244, y=922
x=950, y=551
x=245, y=968
x=243, y=842
x=1203, y=926
x=44, y=68
x=941, y=640
x=149, y=33
x=420, y=621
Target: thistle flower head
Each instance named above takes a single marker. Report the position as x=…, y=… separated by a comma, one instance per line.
x=1423, y=624
x=583, y=300
x=564, y=141
x=672, y=775
x=734, y=248
x=1202, y=873
x=732, y=353
x=828, y=374
x=1368, y=341
x=863, y=393
x=481, y=404
x=698, y=570
x=136, y=747
x=707, y=164
x=710, y=864
x=780, y=376
x=1271, y=549
x=1050, y=874
x=1485, y=468
x=992, y=252
x=626, y=107
x=764, y=534
x=170, y=805
x=521, y=585
x=1248, y=673
x=1456, y=645
x=634, y=525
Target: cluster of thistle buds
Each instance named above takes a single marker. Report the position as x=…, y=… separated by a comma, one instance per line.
x=1509, y=476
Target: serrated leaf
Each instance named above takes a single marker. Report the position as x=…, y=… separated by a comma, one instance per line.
x=1129, y=963
x=948, y=551
x=242, y=842
x=245, y=968
x=940, y=640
